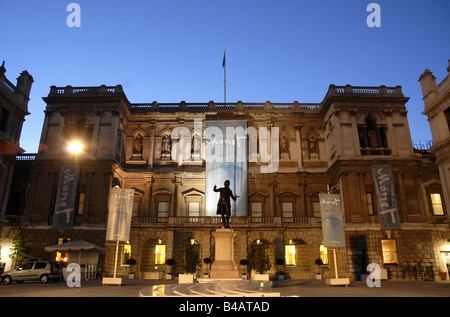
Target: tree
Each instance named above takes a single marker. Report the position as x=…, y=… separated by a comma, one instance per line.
x=191, y=258
x=19, y=252
x=259, y=259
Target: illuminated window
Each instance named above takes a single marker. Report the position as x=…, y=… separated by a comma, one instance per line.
x=389, y=251
x=436, y=204
x=80, y=203
x=163, y=209
x=62, y=257
x=289, y=251
x=160, y=254
x=126, y=253
x=370, y=204
x=323, y=254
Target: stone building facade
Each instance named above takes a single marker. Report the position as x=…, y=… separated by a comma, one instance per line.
x=437, y=108
x=329, y=146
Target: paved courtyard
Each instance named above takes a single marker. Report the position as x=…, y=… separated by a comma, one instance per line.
x=287, y=288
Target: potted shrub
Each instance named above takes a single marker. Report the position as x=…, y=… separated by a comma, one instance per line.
x=171, y=263
x=319, y=263
x=280, y=263
x=207, y=261
x=132, y=263
x=259, y=261
x=244, y=262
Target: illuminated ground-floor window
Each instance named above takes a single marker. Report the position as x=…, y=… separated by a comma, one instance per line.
x=160, y=254
x=126, y=254
x=389, y=251
x=289, y=251
x=61, y=257
x=323, y=254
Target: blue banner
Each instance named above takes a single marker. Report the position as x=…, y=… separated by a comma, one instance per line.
x=66, y=197
x=386, y=198
x=332, y=225
x=226, y=159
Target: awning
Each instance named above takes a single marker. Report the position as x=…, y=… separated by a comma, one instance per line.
x=79, y=245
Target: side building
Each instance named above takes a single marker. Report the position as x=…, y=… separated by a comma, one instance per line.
x=13, y=109
x=327, y=147
x=437, y=108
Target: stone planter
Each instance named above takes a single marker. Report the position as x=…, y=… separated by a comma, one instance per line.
x=260, y=277
x=185, y=278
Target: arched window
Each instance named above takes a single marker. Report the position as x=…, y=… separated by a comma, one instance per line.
x=372, y=138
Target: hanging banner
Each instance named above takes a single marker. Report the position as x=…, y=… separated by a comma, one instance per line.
x=66, y=197
x=119, y=215
x=332, y=225
x=386, y=199
x=226, y=159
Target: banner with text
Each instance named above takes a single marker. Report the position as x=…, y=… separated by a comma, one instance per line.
x=119, y=215
x=386, y=198
x=66, y=197
x=332, y=225
x=226, y=159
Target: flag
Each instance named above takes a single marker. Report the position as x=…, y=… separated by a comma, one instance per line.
x=223, y=63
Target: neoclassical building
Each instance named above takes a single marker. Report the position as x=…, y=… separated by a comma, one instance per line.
x=326, y=147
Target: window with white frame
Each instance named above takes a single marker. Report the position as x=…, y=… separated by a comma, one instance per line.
x=287, y=209
x=163, y=209
x=256, y=209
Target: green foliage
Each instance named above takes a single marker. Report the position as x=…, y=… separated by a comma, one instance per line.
x=259, y=259
x=191, y=258
x=19, y=250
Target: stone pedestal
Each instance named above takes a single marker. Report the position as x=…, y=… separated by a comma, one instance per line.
x=224, y=266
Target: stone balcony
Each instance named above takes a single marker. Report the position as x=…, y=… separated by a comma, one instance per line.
x=235, y=222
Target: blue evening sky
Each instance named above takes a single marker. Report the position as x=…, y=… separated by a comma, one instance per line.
x=172, y=50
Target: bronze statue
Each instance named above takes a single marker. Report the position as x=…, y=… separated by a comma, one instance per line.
x=224, y=204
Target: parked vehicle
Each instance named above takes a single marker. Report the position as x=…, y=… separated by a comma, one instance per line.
x=43, y=271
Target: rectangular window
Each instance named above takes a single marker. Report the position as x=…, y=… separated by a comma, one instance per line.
x=370, y=204
x=194, y=209
x=256, y=210
x=80, y=203
x=436, y=204
x=160, y=254
x=447, y=117
x=289, y=251
x=4, y=114
x=288, y=210
x=126, y=254
x=316, y=209
x=163, y=209
x=389, y=249
x=136, y=205
x=323, y=254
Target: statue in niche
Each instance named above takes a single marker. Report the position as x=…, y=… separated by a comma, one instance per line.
x=224, y=204
x=196, y=146
x=284, y=147
x=312, y=147
x=137, y=146
x=166, y=145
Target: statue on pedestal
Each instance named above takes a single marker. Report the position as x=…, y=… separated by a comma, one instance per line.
x=224, y=204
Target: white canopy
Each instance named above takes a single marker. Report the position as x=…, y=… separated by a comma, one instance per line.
x=79, y=245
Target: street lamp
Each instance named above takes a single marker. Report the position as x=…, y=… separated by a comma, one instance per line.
x=74, y=147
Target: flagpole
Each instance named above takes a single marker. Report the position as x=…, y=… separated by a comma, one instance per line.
x=224, y=79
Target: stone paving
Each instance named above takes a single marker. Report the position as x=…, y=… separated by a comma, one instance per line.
x=287, y=288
